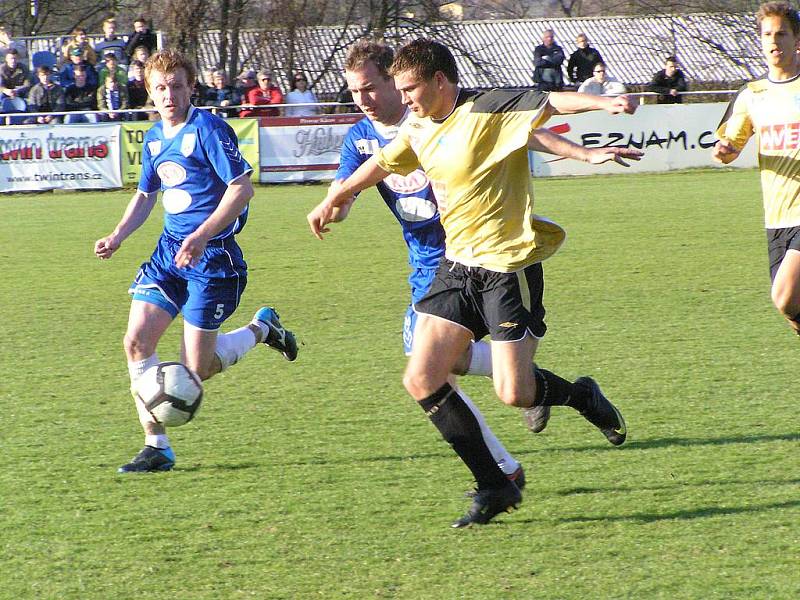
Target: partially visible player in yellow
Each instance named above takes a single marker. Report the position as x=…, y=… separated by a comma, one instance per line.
x=769, y=108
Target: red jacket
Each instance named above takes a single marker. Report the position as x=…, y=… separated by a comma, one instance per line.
x=271, y=95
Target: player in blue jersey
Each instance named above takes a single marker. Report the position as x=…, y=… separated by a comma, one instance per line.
x=412, y=202
x=197, y=268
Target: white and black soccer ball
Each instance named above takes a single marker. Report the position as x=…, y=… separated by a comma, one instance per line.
x=170, y=392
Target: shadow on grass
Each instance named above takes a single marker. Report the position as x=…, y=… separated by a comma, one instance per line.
x=667, y=442
x=697, y=513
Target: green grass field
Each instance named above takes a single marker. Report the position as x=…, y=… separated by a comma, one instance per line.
x=322, y=479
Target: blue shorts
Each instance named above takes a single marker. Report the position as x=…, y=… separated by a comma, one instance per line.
x=205, y=294
x=420, y=281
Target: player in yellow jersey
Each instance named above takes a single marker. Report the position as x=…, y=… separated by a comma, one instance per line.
x=769, y=108
x=473, y=147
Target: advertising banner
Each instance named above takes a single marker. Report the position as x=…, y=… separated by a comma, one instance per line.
x=133, y=132
x=676, y=136
x=47, y=157
x=297, y=149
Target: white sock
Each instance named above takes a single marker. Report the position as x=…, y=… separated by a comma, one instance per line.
x=137, y=367
x=157, y=441
x=135, y=370
x=480, y=362
x=234, y=345
x=504, y=460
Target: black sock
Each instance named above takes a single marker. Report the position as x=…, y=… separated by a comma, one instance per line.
x=459, y=427
x=552, y=390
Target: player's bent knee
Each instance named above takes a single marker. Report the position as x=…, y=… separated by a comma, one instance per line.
x=419, y=385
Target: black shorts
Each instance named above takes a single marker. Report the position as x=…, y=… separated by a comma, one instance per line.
x=778, y=242
x=504, y=305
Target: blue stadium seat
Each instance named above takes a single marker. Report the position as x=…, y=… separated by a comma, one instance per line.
x=42, y=58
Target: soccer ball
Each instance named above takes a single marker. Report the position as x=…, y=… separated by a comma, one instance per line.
x=170, y=392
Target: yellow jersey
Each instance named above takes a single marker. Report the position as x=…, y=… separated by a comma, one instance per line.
x=771, y=111
x=477, y=162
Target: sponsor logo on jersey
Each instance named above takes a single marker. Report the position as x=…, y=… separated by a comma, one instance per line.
x=414, y=209
x=368, y=147
x=187, y=143
x=780, y=136
x=507, y=325
x=154, y=147
x=171, y=173
x=407, y=184
x=176, y=200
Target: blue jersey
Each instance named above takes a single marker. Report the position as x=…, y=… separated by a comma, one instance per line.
x=410, y=198
x=192, y=167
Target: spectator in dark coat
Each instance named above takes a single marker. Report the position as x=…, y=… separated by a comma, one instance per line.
x=81, y=96
x=141, y=36
x=669, y=82
x=580, y=66
x=67, y=75
x=45, y=96
x=14, y=76
x=547, y=60
x=111, y=42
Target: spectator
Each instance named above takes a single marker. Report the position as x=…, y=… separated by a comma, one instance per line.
x=266, y=93
x=245, y=83
x=6, y=44
x=141, y=36
x=81, y=43
x=112, y=42
x=669, y=82
x=140, y=53
x=137, y=92
x=345, y=99
x=221, y=94
x=600, y=84
x=67, y=74
x=14, y=76
x=547, y=60
x=112, y=96
x=112, y=68
x=581, y=62
x=300, y=94
x=45, y=96
x=80, y=95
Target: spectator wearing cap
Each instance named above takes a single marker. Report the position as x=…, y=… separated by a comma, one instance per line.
x=141, y=36
x=111, y=42
x=112, y=96
x=580, y=65
x=266, y=93
x=600, y=84
x=14, y=76
x=45, y=96
x=79, y=41
x=220, y=94
x=246, y=82
x=81, y=96
x=67, y=74
x=300, y=94
x=669, y=82
x=111, y=67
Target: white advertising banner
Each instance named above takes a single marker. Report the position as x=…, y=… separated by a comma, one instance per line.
x=294, y=149
x=59, y=157
x=675, y=136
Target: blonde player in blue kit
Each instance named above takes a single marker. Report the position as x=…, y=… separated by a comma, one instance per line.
x=197, y=268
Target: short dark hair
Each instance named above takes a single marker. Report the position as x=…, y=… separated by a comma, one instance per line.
x=369, y=50
x=424, y=57
x=43, y=69
x=13, y=51
x=671, y=59
x=779, y=9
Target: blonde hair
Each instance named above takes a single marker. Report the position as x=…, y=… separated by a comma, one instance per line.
x=169, y=61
